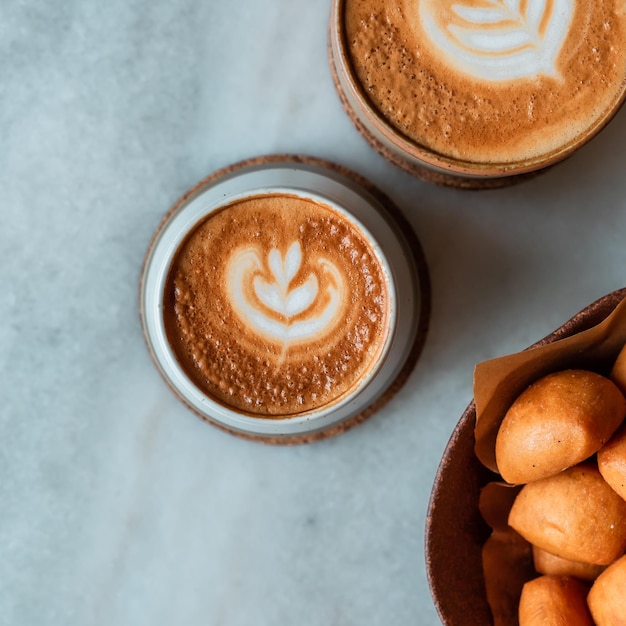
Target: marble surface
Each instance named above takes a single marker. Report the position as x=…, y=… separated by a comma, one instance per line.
x=117, y=506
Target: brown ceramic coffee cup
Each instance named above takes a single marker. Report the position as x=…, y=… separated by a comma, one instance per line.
x=478, y=94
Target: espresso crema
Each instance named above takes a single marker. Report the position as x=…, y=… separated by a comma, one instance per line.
x=490, y=81
x=277, y=305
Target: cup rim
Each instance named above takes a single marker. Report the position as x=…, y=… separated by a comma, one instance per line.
x=419, y=156
x=225, y=189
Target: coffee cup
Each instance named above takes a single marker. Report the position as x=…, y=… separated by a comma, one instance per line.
x=281, y=300
x=478, y=94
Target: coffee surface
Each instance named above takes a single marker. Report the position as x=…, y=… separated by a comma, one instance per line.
x=489, y=81
x=276, y=305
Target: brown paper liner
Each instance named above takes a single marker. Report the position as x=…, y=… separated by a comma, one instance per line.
x=419, y=261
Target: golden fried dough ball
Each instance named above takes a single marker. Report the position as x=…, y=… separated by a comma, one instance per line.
x=554, y=601
x=557, y=422
x=546, y=563
x=618, y=373
x=607, y=598
x=612, y=462
x=574, y=514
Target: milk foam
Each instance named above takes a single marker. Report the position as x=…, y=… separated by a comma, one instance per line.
x=269, y=307
x=501, y=39
x=476, y=108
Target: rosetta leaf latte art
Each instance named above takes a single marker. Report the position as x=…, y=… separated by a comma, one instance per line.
x=268, y=305
x=499, y=40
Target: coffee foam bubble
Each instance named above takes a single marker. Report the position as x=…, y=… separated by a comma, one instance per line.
x=276, y=305
x=450, y=79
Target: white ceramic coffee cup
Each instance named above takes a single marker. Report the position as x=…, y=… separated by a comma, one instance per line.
x=351, y=202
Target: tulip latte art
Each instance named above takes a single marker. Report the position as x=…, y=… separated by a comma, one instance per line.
x=277, y=305
x=270, y=308
x=489, y=81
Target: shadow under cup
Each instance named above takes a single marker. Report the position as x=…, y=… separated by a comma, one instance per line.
x=478, y=97
x=270, y=301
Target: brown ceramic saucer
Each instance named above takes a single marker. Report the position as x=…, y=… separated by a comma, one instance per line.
x=455, y=531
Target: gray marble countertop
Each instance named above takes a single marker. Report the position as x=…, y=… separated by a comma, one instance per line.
x=117, y=505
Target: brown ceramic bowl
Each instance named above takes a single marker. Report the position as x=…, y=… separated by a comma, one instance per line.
x=455, y=530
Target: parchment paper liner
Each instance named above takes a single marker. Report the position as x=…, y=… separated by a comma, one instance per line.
x=507, y=562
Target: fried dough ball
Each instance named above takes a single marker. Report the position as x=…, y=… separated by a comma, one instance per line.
x=554, y=601
x=546, y=563
x=575, y=515
x=612, y=462
x=607, y=598
x=559, y=421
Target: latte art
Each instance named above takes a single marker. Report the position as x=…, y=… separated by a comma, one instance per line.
x=273, y=310
x=499, y=39
x=277, y=305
